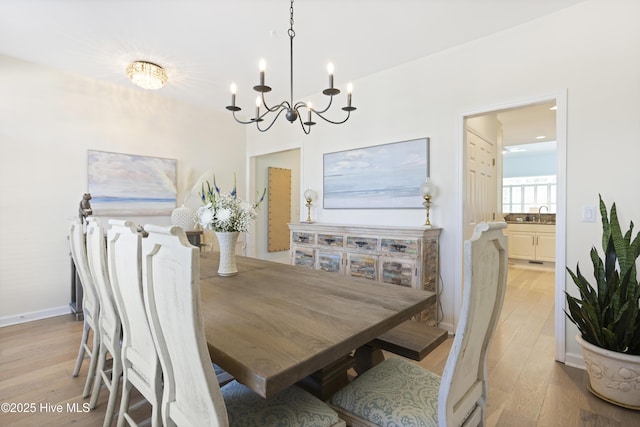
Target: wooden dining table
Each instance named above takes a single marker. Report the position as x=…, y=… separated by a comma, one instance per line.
x=274, y=325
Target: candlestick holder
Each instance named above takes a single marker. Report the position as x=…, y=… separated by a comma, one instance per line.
x=310, y=196
x=427, y=189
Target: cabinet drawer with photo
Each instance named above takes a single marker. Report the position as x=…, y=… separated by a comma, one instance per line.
x=399, y=271
x=362, y=243
x=331, y=261
x=399, y=246
x=302, y=237
x=303, y=257
x=333, y=240
x=360, y=265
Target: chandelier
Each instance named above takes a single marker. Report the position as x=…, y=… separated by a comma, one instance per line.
x=147, y=75
x=292, y=111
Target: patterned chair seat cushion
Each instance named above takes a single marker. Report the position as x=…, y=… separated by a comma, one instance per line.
x=292, y=407
x=395, y=393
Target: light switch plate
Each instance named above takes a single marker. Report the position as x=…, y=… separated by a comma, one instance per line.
x=588, y=214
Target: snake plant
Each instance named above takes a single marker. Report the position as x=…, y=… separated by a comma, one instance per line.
x=608, y=316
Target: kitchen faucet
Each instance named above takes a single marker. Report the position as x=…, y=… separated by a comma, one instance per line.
x=540, y=210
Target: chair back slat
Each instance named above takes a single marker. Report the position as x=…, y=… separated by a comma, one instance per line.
x=172, y=295
x=140, y=360
x=464, y=380
x=97, y=260
x=90, y=305
x=110, y=327
x=77, y=243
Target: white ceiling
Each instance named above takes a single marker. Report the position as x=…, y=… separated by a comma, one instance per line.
x=532, y=128
x=207, y=44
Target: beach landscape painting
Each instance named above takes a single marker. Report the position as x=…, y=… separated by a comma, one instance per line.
x=377, y=177
x=125, y=184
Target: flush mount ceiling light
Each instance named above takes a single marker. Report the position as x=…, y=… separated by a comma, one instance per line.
x=293, y=111
x=147, y=75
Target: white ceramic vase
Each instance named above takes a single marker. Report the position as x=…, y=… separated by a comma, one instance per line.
x=183, y=217
x=227, y=241
x=613, y=376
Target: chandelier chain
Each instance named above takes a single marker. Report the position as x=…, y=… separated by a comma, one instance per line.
x=292, y=33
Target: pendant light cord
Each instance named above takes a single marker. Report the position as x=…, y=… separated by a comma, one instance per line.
x=292, y=34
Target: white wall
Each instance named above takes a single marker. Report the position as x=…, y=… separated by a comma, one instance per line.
x=48, y=120
x=589, y=49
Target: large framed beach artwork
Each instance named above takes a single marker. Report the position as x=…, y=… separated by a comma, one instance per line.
x=130, y=185
x=379, y=177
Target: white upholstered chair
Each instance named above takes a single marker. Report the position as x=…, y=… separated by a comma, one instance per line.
x=192, y=396
x=397, y=392
x=140, y=364
x=109, y=320
x=90, y=305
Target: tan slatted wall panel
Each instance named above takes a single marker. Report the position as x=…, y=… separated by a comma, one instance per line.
x=279, y=209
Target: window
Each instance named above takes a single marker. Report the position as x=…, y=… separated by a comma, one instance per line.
x=522, y=194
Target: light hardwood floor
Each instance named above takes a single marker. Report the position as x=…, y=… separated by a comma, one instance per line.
x=527, y=387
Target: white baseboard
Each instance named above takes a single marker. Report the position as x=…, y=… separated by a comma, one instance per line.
x=447, y=327
x=574, y=360
x=34, y=315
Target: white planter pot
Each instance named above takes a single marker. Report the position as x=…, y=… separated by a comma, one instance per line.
x=614, y=377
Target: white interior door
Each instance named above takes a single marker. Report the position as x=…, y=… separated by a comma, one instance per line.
x=480, y=195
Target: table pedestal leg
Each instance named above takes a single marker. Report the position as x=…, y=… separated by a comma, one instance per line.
x=367, y=357
x=325, y=382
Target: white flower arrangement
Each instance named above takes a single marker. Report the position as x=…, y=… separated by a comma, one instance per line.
x=225, y=211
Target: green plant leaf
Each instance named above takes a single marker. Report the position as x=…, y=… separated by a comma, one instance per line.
x=609, y=314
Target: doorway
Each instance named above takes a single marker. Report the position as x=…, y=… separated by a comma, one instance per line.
x=259, y=167
x=484, y=124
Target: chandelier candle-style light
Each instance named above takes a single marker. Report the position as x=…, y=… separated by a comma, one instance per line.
x=293, y=111
x=147, y=75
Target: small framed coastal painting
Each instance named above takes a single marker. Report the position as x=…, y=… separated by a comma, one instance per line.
x=130, y=185
x=379, y=177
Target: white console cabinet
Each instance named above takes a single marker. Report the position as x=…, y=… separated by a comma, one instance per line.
x=403, y=256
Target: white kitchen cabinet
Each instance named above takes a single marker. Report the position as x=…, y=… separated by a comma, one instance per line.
x=403, y=256
x=522, y=245
x=532, y=242
x=546, y=246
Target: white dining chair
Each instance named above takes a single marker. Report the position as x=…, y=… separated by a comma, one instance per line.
x=90, y=305
x=140, y=364
x=109, y=320
x=192, y=396
x=398, y=392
